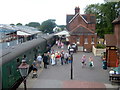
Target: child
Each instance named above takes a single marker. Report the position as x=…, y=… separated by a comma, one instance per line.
x=34, y=64
x=83, y=61
x=91, y=61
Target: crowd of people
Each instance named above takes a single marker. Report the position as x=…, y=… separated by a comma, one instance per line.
x=59, y=43
x=59, y=57
x=51, y=58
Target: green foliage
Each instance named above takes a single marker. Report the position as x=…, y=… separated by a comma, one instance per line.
x=47, y=26
x=33, y=24
x=19, y=24
x=105, y=14
x=62, y=27
x=100, y=46
x=12, y=24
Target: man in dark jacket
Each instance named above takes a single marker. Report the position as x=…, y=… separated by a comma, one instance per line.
x=45, y=60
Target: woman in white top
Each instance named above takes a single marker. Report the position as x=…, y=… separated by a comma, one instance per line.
x=53, y=58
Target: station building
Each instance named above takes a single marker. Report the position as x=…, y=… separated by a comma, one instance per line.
x=82, y=30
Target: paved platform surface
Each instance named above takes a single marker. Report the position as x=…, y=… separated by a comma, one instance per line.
x=58, y=76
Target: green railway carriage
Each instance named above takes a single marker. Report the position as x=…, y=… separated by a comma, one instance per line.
x=11, y=59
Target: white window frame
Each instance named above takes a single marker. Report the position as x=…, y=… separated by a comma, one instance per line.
x=86, y=40
x=92, y=41
x=78, y=40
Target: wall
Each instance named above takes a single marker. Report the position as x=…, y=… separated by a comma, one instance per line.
x=98, y=52
x=77, y=20
x=88, y=46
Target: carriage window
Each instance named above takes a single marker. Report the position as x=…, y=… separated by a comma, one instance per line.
x=35, y=57
x=24, y=57
x=30, y=52
x=38, y=47
x=18, y=60
x=9, y=70
x=35, y=50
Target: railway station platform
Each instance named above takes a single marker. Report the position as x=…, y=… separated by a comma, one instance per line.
x=59, y=76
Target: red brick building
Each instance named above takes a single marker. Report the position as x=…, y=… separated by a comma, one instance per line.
x=113, y=45
x=82, y=30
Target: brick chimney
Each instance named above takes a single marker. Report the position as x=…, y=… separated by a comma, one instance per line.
x=77, y=10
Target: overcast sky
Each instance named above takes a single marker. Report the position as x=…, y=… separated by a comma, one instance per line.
x=25, y=11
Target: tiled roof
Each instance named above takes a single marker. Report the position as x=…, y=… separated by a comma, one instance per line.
x=80, y=29
x=84, y=16
x=10, y=28
x=110, y=40
x=92, y=19
x=117, y=20
x=68, y=18
x=74, y=17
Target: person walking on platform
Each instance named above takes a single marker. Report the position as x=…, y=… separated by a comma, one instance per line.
x=66, y=56
x=68, y=47
x=39, y=60
x=83, y=61
x=56, y=43
x=25, y=58
x=53, y=59
x=74, y=46
x=62, y=45
x=62, y=57
x=56, y=53
x=71, y=50
x=91, y=61
x=45, y=60
x=59, y=44
x=48, y=55
x=58, y=58
x=69, y=59
x=104, y=62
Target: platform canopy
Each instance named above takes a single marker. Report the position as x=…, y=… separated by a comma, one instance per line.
x=66, y=33
x=22, y=33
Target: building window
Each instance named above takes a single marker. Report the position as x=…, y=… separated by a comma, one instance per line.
x=78, y=40
x=86, y=41
x=92, y=40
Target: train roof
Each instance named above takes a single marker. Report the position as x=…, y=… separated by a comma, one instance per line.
x=11, y=53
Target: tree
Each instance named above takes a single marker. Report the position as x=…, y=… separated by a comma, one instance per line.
x=47, y=26
x=12, y=24
x=62, y=27
x=105, y=14
x=33, y=24
x=19, y=24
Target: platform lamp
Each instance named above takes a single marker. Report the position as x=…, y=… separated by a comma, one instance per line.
x=71, y=56
x=24, y=68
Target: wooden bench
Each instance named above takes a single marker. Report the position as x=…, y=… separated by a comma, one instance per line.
x=114, y=78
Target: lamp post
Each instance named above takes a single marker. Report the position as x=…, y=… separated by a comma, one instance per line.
x=23, y=68
x=71, y=65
